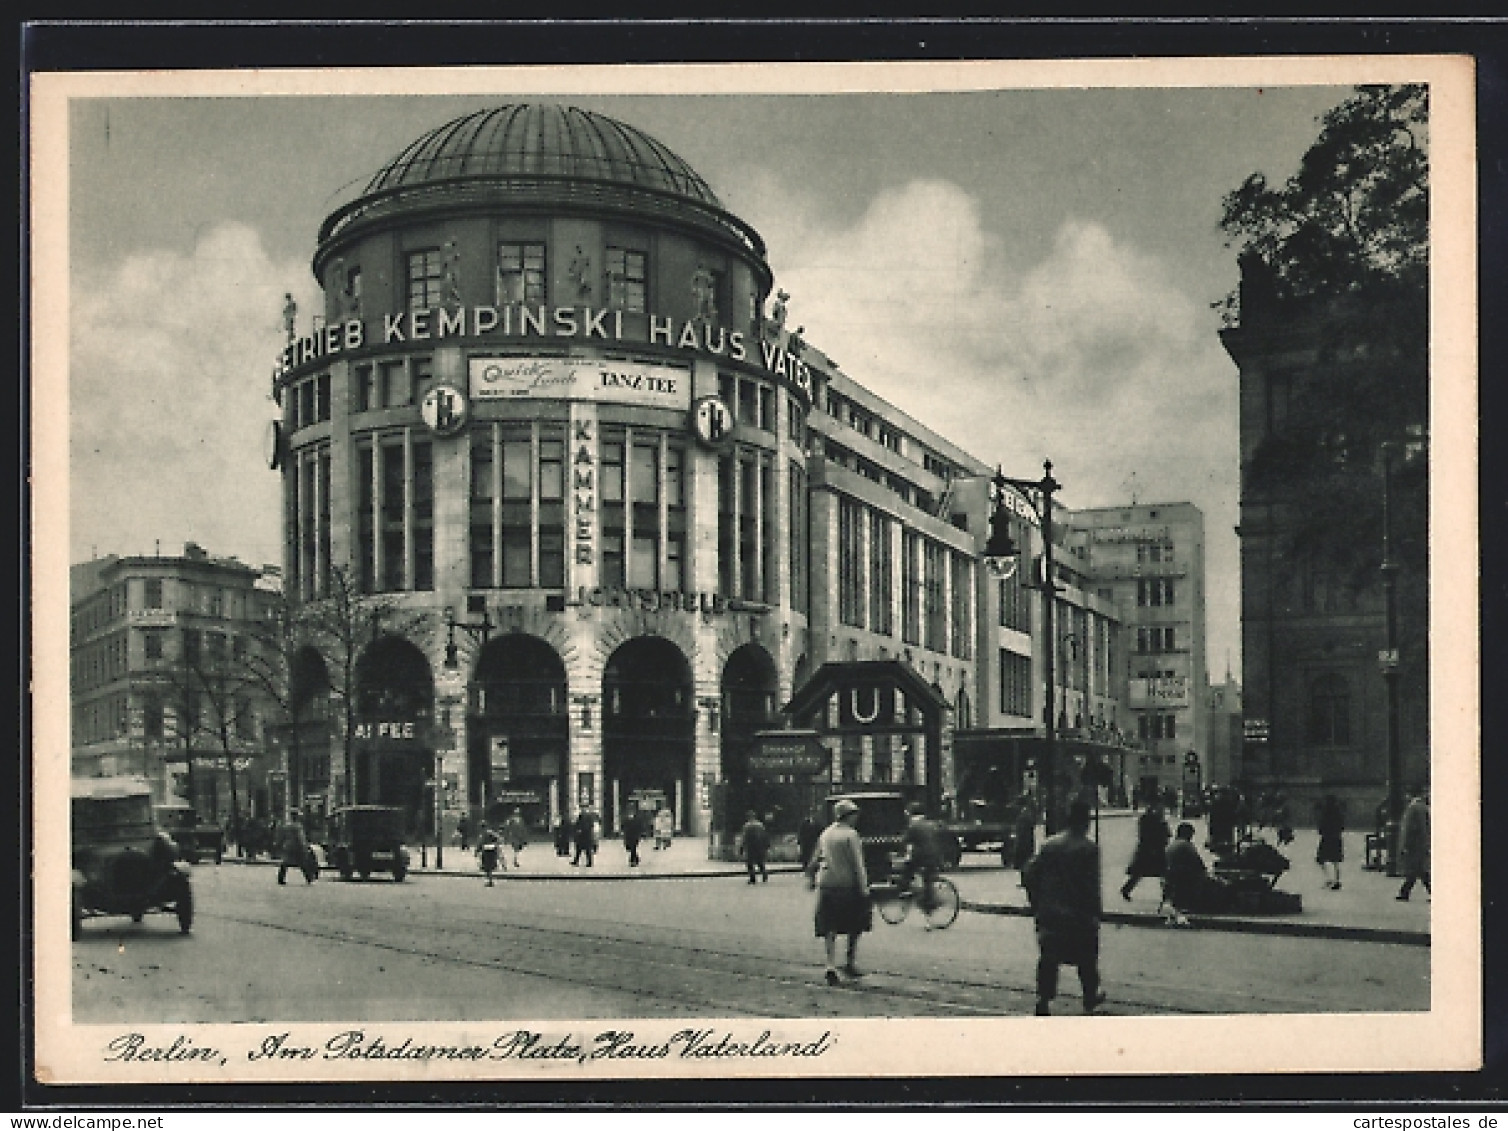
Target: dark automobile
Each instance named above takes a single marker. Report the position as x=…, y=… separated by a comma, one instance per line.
x=882, y=823
x=123, y=864
x=195, y=839
x=365, y=839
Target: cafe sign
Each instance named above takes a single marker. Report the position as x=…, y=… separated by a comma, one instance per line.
x=787, y=752
x=580, y=379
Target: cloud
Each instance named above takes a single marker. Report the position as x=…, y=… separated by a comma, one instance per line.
x=1093, y=356
x=169, y=374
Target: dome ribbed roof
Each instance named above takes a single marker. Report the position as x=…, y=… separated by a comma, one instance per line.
x=542, y=140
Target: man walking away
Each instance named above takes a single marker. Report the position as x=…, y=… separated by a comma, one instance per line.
x=806, y=838
x=1063, y=885
x=1413, y=844
x=296, y=852
x=837, y=872
x=756, y=846
x=488, y=850
x=586, y=837
x=631, y=836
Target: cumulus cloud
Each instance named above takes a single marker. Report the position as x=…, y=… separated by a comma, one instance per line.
x=170, y=361
x=1092, y=356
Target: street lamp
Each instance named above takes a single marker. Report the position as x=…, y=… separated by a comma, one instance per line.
x=1388, y=660
x=478, y=632
x=1002, y=555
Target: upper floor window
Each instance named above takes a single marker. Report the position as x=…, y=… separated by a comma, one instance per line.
x=426, y=278
x=1154, y=591
x=626, y=280
x=153, y=597
x=520, y=273
x=1329, y=711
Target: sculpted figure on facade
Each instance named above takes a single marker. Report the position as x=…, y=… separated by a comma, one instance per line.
x=703, y=294
x=581, y=275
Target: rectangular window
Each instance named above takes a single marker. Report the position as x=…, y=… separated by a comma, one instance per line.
x=961, y=619
x=552, y=511
x=426, y=271
x=881, y=573
x=305, y=403
x=364, y=387
x=911, y=587
x=190, y=645
x=766, y=407
x=748, y=402
x=1015, y=603
x=1015, y=684
x=769, y=561
x=626, y=279
x=391, y=509
x=322, y=519
x=727, y=542
x=518, y=516
x=613, y=483
x=366, y=517
x=151, y=718
x=151, y=643
x=748, y=526
x=521, y=273
x=422, y=492
x=850, y=563
x=307, y=534
x=482, y=544
x=935, y=612
x=322, y=397
x=797, y=538
x=153, y=598
x=395, y=385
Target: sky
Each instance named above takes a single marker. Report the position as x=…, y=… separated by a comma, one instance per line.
x=1027, y=272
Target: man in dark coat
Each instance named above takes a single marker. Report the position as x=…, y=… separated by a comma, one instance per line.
x=755, y=839
x=1150, y=856
x=632, y=834
x=585, y=831
x=1413, y=844
x=806, y=838
x=1063, y=885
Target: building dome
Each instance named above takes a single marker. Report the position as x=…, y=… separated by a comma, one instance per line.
x=535, y=140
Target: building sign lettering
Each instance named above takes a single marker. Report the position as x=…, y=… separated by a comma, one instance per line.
x=1166, y=691
x=656, y=601
x=583, y=491
x=385, y=729
x=559, y=378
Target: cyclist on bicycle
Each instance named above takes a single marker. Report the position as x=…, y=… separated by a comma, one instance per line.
x=924, y=853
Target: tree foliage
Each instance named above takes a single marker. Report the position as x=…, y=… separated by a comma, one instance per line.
x=1335, y=266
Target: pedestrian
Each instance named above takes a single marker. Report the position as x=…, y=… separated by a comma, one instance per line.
x=562, y=837
x=515, y=833
x=1413, y=844
x=1150, y=856
x=1283, y=820
x=487, y=850
x=584, y=833
x=664, y=826
x=806, y=838
x=298, y=854
x=837, y=872
x=1024, y=832
x=754, y=843
x=1330, y=824
x=463, y=830
x=1063, y=886
x=1188, y=885
x=632, y=834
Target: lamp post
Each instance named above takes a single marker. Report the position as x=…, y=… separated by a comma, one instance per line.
x=479, y=633
x=1001, y=552
x=1388, y=660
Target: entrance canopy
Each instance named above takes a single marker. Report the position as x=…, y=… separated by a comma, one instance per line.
x=869, y=681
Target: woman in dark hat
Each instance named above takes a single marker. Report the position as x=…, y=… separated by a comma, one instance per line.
x=837, y=872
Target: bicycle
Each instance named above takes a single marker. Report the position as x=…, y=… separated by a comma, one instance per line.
x=894, y=902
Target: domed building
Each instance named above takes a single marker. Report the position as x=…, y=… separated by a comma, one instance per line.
x=579, y=521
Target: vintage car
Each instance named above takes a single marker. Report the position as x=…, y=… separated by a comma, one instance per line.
x=123, y=864
x=367, y=838
x=196, y=839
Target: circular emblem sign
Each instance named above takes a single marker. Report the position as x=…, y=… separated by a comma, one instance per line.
x=712, y=421
x=444, y=409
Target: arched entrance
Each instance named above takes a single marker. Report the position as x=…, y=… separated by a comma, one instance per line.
x=517, y=731
x=648, y=730
x=392, y=753
x=307, y=740
x=750, y=688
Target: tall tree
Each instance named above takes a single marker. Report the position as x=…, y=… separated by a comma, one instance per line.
x=1337, y=259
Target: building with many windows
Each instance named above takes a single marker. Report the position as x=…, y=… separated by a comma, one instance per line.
x=157, y=655
x=1147, y=561
x=621, y=521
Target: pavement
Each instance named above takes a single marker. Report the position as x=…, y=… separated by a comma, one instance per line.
x=1363, y=909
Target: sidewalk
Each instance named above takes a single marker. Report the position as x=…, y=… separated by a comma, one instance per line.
x=1364, y=907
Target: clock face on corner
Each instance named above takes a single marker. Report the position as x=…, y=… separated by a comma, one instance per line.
x=273, y=445
x=712, y=421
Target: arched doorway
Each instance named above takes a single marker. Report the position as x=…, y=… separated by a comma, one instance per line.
x=308, y=737
x=648, y=730
x=517, y=731
x=750, y=688
x=392, y=753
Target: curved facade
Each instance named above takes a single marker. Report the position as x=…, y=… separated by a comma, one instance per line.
x=542, y=425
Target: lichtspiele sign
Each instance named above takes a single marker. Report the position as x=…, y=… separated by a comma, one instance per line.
x=580, y=379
